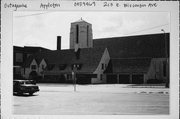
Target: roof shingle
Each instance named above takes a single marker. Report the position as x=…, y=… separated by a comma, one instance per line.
x=152, y=45
x=132, y=65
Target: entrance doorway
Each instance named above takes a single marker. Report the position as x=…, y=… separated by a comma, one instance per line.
x=138, y=79
x=124, y=79
x=111, y=78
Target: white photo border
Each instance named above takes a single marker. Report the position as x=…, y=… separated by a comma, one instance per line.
x=7, y=54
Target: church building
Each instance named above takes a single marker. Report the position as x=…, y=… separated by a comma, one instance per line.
x=130, y=59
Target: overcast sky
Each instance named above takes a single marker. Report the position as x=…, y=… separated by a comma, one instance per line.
x=42, y=28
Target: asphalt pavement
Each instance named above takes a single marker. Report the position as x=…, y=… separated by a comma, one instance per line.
x=61, y=99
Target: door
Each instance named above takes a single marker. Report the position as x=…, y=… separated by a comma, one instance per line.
x=124, y=78
x=138, y=79
x=111, y=78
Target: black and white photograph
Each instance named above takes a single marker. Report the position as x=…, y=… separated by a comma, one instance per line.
x=98, y=63
x=79, y=61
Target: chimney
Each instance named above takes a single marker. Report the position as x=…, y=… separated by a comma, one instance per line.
x=58, y=42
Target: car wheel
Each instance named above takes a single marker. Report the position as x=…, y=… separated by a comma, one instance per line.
x=19, y=93
x=31, y=93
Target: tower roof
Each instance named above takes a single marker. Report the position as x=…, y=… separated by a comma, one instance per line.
x=80, y=20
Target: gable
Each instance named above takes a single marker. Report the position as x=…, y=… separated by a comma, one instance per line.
x=43, y=63
x=33, y=63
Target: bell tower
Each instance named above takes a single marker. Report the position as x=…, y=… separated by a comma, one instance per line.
x=81, y=34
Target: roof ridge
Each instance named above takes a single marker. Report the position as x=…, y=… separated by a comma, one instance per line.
x=131, y=36
x=135, y=58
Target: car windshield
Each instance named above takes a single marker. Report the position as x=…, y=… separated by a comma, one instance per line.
x=26, y=82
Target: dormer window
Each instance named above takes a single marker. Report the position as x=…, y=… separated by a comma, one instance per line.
x=33, y=67
x=42, y=66
x=102, y=67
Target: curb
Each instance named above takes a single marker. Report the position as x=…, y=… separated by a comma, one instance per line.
x=145, y=86
x=160, y=92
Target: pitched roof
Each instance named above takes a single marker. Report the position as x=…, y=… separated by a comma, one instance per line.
x=34, y=49
x=89, y=58
x=29, y=49
x=131, y=65
x=152, y=45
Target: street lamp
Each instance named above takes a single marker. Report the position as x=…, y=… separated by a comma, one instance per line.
x=74, y=75
x=167, y=60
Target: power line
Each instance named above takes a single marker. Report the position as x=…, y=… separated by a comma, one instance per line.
x=148, y=29
x=31, y=15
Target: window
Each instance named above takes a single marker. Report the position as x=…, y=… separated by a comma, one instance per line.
x=164, y=68
x=28, y=55
x=87, y=35
x=102, y=66
x=42, y=66
x=33, y=67
x=77, y=34
x=100, y=76
x=19, y=57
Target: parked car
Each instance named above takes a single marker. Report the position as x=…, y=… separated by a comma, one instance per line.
x=25, y=86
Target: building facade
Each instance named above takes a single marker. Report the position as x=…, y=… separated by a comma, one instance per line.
x=137, y=59
x=58, y=66
x=131, y=59
x=20, y=55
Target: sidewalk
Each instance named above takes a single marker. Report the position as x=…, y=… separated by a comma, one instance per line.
x=104, y=88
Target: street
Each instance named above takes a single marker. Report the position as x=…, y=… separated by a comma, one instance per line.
x=60, y=99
